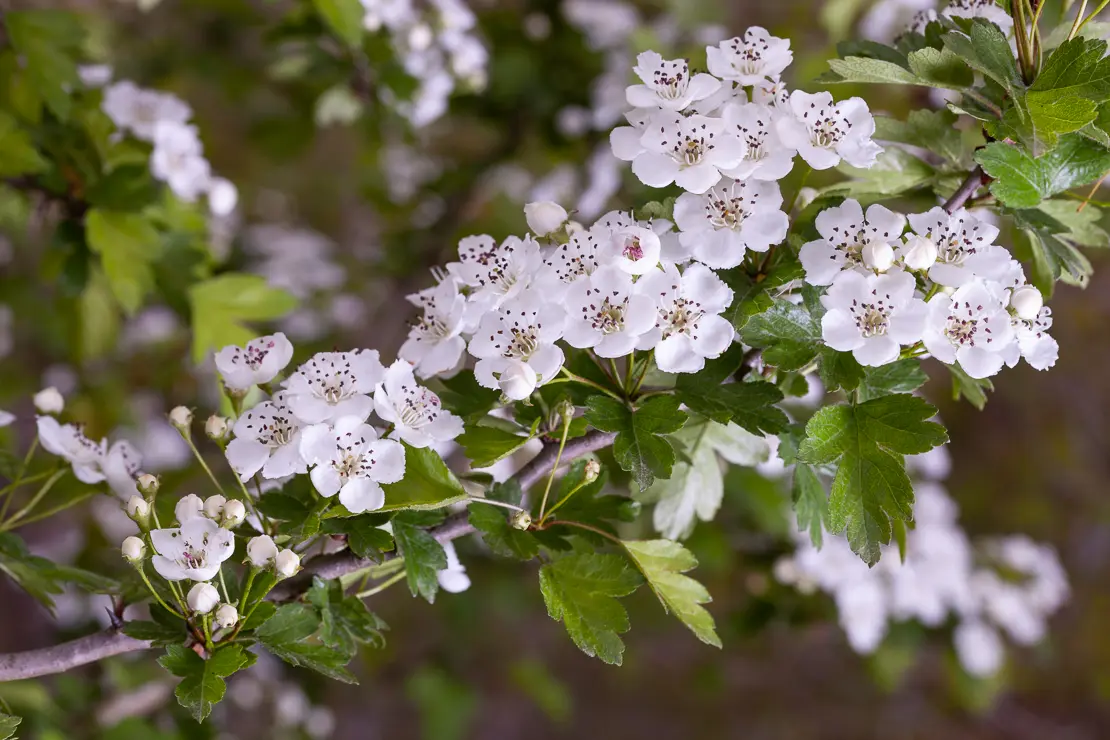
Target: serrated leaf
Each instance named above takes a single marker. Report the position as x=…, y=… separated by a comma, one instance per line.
x=901, y=376
x=839, y=370
x=428, y=483
x=662, y=563
x=749, y=404
x=1020, y=181
x=485, y=445
x=788, y=335
x=128, y=245
x=202, y=681
x=345, y=623
x=424, y=556
x=1081, y=223
x=499, y=535
x=639, y=447
x=157, y=633
x=965, y=386
x=1078, y=67
x=222, y=306
x=811, y=503
x=365, y=536
x=581, y=591
x=864, y=69
x=286, y=636
x=9, y=725
x=986, y=49
x=462, y=396
x=941, y=68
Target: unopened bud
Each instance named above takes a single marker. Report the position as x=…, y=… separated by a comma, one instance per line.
x=226, y=616
x=138, y=510
x=878, y=256
x=234, y=514
x=591, y=471
x=189, y=507
x=182, y=418
x=261, y=551
x=521, y=520
x=133, y=550
x=920, y=253
x=216, y=428
x=544, y=217
x=287, y=563
x=214, y=506
x=148, y=484
x=518, y=381
x=562, y=413
x=1026, y=302
x=202, y=598
x=49, y=401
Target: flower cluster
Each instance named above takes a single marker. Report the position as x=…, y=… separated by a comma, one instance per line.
x=177, y=158
x=92, y=461
x=888, y=19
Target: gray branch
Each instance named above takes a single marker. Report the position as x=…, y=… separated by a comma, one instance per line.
x=974, y=180
x=90, y=649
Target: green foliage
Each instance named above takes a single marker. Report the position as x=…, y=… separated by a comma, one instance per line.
x=162, y=629
x=48, y=40
x=788, y=335
x=986, y=49
x=749, y=405
x=484, y=445
x=424, y=556
x=221, y=306
x=128, y=245
x=973, y=390
x=932, y=128
x=662, y=563
x=639, y=447
x=202, y=681
x=344, y=17
x=585, y=502
x=345, y=622
x=493, y=522
x=287, y=635
x=365, y=536
x=867, y=441
x=1020, y=181
x=428, y=483
x=581, y=590
x=20, y=156
x=901, y=376
x=447, y=706
x=811, y=503
x=462, y=396
x=9, y=725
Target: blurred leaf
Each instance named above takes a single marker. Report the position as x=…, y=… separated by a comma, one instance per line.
x=447, y=707
x=639, y=447
x=20, y=156
x=663, y=562
x=47, y=40
x=541, y=686
x=127, y=244
x=222, y=304
x=811, y=503
x=8, y=725
x=931, y=129
x=202, y=681
x=424, y=556
x=963, y=385
x=344, y=17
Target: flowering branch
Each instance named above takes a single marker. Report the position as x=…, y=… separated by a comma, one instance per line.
x=974, y=180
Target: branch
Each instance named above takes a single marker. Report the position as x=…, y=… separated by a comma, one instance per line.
x=84, y=650
x=974, y=180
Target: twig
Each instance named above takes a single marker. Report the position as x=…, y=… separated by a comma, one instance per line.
x=974, y=180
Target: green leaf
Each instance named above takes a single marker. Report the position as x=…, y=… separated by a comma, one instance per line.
x=581, y=591
x=485, y=445
x=1023, y=182
x=156, y=632
x=787, y=333
x=811, y=503
x=125, y=188
x=934, y=130
x=864, y=69
x=1059, y=115
x=128, y=244
x=901, y=376
x=48, y=41
x=462, y=396
x=428, y=483
x=286, y=636
x=987, y=50
x=965, y=386
x=839, y=370
x=34, y=574
x=424, y=556
x=639, y=447
x=344, y=17
x=20, y=156
x=587, y=504
x=221, y=306
x=941, y=68
x=8, y=725
x=663, y=562
x=365, y=536
x=871, y=488
x=750, y=405
x=346, y=623
x=1076, y=68
x=1077, y=224
x=202, y=681
x=263, y=612
x=501, y=537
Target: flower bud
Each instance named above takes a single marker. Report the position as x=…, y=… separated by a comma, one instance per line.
x=562, y=413
x=181, y=418
x=49, y=401
x=234, y=514
x=261, y=551
x=920, y=253
x=521, y=520
x=287, y=563
x=591, y=471
x=544, y=217
x=139, y=510
x=878, y=256
x=202, y=598
x=133, y=550
x=189, y=507
x=226, y=616
x=1026, y=302
x=216, y=428
x=214, y=506
x=518, y=381
x=148, y=484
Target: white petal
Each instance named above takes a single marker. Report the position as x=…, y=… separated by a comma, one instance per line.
x=362, y=494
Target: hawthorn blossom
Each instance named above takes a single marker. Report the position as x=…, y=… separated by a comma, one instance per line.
x=256, y=363
x=719, y=228
x=178, y=160
x=120, y=467
x=495, y=272
x=846, y=230
x=668, y=84
x=626, y=141
x=350, y=460
x=1033, y=344
x=965, y=248
x=608, y=313
x=766, y=158
x=751, y=59
x=825, y=132
x=636, y=246
x=772, y=93
x=972, y=327
x=267, y=440
x=193, y=551
x=69, y=442
x=872, y=316
x=568, y=262
x=415, y=412
x=690, y=152
x=689, y=328
x=434, y=345
x=515, y=345
x=138, y=110
x=334, y=384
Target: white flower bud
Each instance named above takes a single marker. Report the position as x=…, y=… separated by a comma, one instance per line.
x=544, y=217
x=190, y=507
x=226, y=616
x=921, y=253
x=216, y=428
x=181, y=418
x=521, y=520
x=1026, y=302
x=234, y=514
x=214, y=506
x=261, y=551
x=133, y=549
x=805, y=197
x=591, y=471
x=518, y=381
x=574, y=227
x=202, y=598
x=878, y=256
x=223, y=196
x=287, y=563
x=420, y=37
x=49, y=401
x=148, y=484
x=138, y=509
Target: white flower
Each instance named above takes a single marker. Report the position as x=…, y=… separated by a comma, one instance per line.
x=636, y=246
x=6, y=418
x=415, y=412
x=919, y=253
x=972, y=327
x=721, y=226
x=772, y=93
x=178, y=160
x=1033, y=342
x=689, y=328
x=634, y=249
x=979, y=648
x=544, y=217
x=332, y=385
x=965, y=248
x=690, y=152
x=846, y=230
x=121, y=468
x=94, y=75
x=434, y=344
x=578, y=258
x=825, y=132
x=256, y=363
x=234, y=513
x=350, y=460
x=495, y=273
x=49, y=401
x=188, y=507
x=453, y=579
x=67, y=441
x=133, y=549
x=668, y=84
x=766, y=157
x=751, y=59
x=202, y=598
x=131, y=107
x=261, y=551
x=287, y=563
x=607, y=312
x=877, y=256
x=625, y=140
x=871, y=316
x=519, y=342
x=137, y=508
x=888, y=19
x=267, y=439
x=181, y=417
x=986, y=9
x=195, y=550
x=223, y=196
x=226, y=616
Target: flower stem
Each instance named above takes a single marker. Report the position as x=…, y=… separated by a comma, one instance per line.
x=196, y=453
x=555, y=467
x=580, y=525
x=381, y=586
x=564, y=499
x=491, y=502
x=247, y=586
x=159, y=599
x=19, y=478
x=1078, y=23
x=34, y=500
x=590, y=383
x=223, y=585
